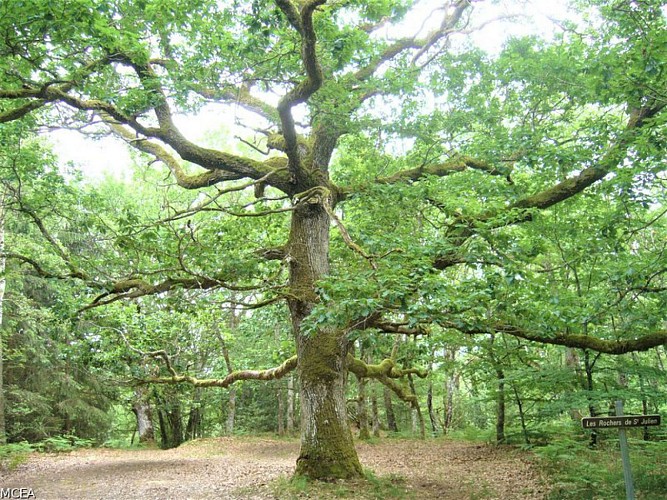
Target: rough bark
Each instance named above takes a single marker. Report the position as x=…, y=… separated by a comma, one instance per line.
x=327, y=448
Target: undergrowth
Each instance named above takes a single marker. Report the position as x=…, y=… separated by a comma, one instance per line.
x=578, y=472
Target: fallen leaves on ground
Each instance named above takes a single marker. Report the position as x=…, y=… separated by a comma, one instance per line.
x=248, y=468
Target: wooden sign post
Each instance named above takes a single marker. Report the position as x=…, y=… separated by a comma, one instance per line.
x=621, y=422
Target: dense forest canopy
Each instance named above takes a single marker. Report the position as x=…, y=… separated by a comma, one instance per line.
x=393, y=180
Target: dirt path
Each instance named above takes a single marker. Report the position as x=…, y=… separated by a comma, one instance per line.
x=244, y=468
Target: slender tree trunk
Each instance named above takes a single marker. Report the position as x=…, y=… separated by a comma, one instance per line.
x=362, y=412
x=429, y=400
x=290, y=404
x=451, y=384
x=375, y=415
x=144, y=414
x=500, y=407
x=231, y=402
x=389, y=410
x=231, y=413
x=522, y=416
x=362, y=406
x=281, y=408
x=3, y=283
x=327, y=448
x=642, y=388
x=588, y=367
x=573, y=362
x=418, y=418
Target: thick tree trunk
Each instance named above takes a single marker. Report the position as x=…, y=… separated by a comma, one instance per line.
x=327, y=449
x=144, y=414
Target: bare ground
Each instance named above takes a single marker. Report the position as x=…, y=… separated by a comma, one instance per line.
x=248, y=468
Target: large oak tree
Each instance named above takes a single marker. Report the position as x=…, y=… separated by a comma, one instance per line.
x=425, y=155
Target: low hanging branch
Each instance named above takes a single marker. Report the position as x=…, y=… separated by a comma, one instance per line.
x=386, y=372
x=270, y=374
x=175, y=378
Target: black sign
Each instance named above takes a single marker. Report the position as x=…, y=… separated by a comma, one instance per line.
x=622, y=421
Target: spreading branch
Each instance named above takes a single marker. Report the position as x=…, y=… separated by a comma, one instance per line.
x=607, y=346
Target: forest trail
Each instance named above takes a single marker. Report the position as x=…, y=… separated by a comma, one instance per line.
x=246, y=468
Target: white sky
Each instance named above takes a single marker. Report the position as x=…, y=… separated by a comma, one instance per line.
x=110, y=156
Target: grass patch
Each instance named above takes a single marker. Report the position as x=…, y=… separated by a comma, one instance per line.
x=371, y=487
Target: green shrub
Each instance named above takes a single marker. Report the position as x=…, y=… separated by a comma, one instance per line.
x=14, y=454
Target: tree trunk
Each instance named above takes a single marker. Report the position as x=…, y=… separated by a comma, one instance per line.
x=375, y=414
x=588, y=366
x=362, y=406
x=327, y=448
x=429, y=399
x=281, y=408
x=290, y=404
x=389, y=410
x=451, y=384
x=144, y=414
x=362, y=412
x=231, y=403
x=193, y=427
x=500, y=407
x=3, y=282
x=418, y=418
x=522, y=415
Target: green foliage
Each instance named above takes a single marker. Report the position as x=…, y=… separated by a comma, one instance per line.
x=64, y=443
x=14, y=454
x=576, y=471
